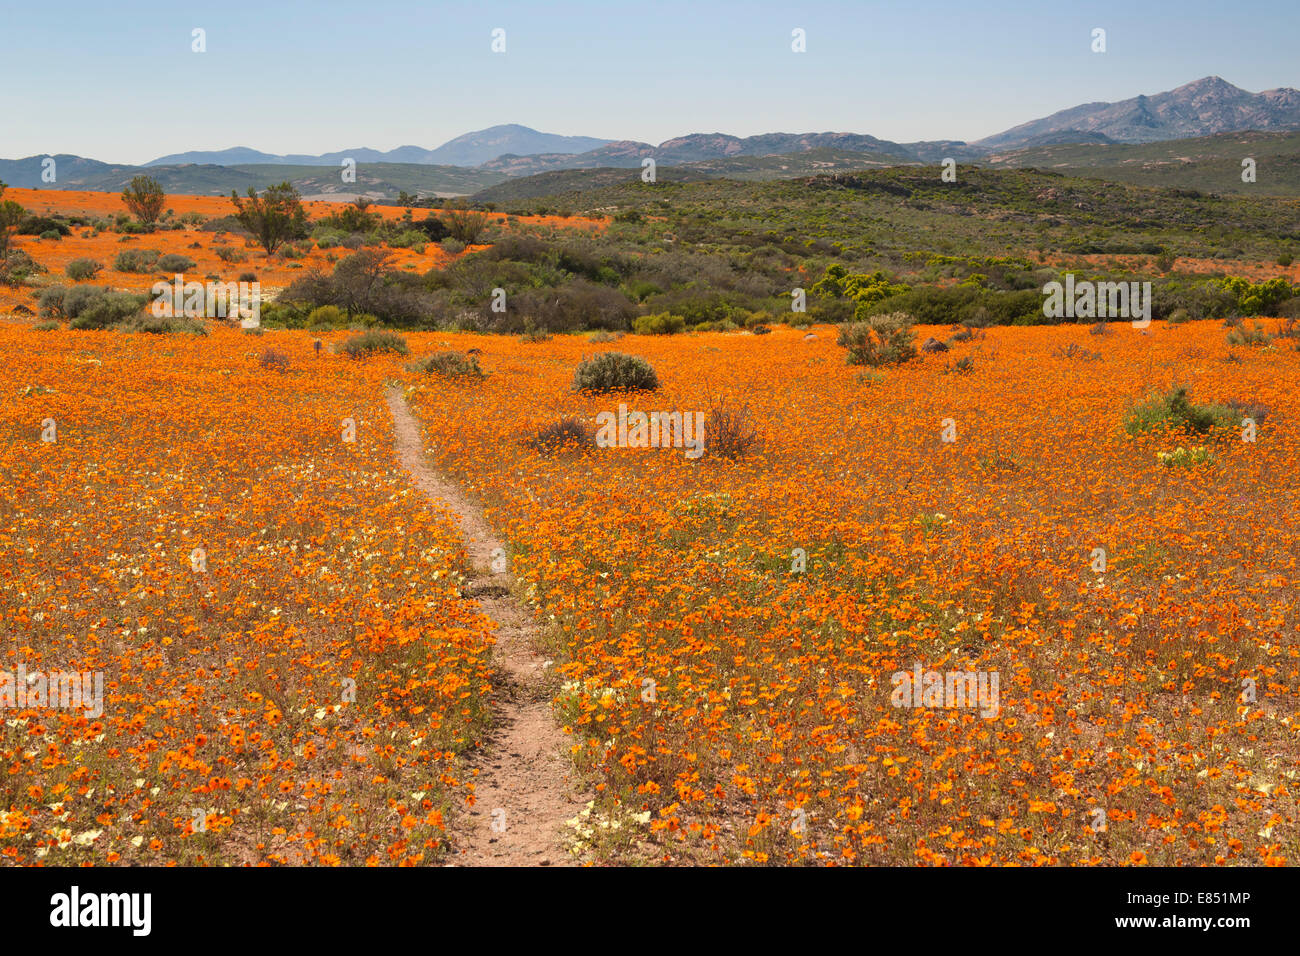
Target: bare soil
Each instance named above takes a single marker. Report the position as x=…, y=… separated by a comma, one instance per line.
x=525, y=788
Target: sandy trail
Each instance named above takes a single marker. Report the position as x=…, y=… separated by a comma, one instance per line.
x=524, y=791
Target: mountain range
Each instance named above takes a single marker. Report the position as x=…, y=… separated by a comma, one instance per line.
x=1203, y=108
x=472, y=149
x=482, y=158
x=1208, y=106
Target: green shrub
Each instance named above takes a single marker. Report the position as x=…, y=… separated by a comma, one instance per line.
x=174, y=262
x=42, y=226
x=136, y=260
x=47, y=326
x=285, y=314
x=450, y=365
x=230, y=254
x=1259, y=298
x=433, y=229
x=864, y=288
x=164, y=325
x=725, y=325
x=1174, y=411
x=662, y=324
x=51, y=300
x=80, y=297
x=80, y=269
x=641, y=289
x=879, y=340
x=615, y=372
x=453, y=246
x=92, y=307
x=534, y=332
x=969, y=305
x=327, y=238
x=373, y=341
x=409, y=239
x=326, y=315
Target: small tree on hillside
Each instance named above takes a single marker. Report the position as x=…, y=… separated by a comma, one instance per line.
x=11, y=214
x=273, y=217
x=359, y=276
x=145, y=198
x=464, y=223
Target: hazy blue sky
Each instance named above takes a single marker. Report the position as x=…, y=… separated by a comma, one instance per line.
x=117, y=81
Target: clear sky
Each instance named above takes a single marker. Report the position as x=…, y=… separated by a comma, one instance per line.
x=117, y=81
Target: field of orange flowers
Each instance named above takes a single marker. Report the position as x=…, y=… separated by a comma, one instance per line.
x=289, y=671
x=231, y=734
x=1125, y=733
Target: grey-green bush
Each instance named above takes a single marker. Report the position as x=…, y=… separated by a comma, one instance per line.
x=100, y=308
x=51, y=300
x=879, y=340
x=82, y=269
x=450, y=365
x=175, y=262
x=374, y=341
x=615, y=372
x=136, y=260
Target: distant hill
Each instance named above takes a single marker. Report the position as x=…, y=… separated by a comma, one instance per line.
x=512, y=160
x=71, y=172
x=1208, y=164
x=750, y=168
x=471, y=149
x=1203, y=108
x=699, y=147
x=476, y=148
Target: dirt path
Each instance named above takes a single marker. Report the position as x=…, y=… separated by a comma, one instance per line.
x=523, y=788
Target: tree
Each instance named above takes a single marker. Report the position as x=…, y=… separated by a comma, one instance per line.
x=358, y=278
x=11, y=214
x=433, y=227
x=273, y=217
x=353, y=217
x=464, y=223
x=145, y=198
